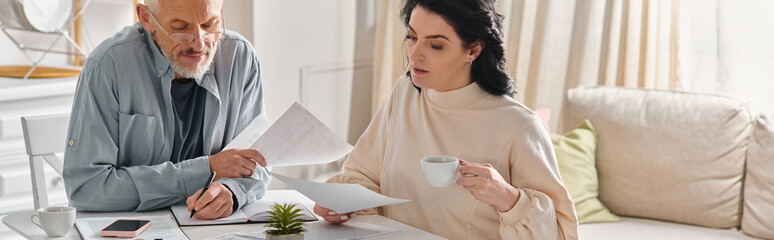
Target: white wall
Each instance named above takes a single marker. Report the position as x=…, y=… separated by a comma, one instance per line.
x=239, y=17
x=290, y=34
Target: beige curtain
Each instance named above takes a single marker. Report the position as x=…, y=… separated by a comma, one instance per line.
x=389, y=59
x=556, y=45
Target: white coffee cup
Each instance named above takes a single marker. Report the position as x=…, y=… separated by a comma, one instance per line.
x=55, y=221
x=440, y=171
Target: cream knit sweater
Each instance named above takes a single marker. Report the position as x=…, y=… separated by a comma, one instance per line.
x=475, y=126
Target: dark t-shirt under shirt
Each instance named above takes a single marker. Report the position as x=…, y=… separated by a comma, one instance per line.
x=188, y=104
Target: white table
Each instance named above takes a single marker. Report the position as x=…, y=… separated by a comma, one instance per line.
x=21, y=224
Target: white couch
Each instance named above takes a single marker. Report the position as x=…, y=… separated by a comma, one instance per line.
x=677, y=165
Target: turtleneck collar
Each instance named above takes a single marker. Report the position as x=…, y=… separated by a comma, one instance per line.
x=458, y=98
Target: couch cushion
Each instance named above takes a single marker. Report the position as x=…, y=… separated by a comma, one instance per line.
x=758, y=217
x=645, y=229
x=666, y=155
x=576, y=154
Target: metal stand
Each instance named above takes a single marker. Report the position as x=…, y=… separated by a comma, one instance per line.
x=61, y=32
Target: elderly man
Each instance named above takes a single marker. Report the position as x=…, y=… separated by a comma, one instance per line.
x=154, y=103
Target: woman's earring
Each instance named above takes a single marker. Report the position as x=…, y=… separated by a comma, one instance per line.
x=470, y=61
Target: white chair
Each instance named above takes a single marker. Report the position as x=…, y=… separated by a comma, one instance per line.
x=44, y=136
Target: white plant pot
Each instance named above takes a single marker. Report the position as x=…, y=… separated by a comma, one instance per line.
x=285, y=237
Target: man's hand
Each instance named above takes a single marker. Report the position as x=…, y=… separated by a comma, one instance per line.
x=331, y=216
x=216, y=202
x=235, y=163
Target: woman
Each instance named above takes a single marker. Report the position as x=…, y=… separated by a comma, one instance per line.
x=455, y=100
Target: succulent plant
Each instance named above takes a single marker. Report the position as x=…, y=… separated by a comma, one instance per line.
x=285, y=219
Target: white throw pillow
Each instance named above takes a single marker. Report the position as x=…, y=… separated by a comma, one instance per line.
x=758, y=217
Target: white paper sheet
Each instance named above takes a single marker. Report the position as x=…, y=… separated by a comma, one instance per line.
x=239, y=236
x=161, y=227
x=348, y=230
x=251, y=133
x=298, y=138
x=342, y=198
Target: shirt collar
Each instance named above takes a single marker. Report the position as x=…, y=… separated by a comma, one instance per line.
x=160, y=62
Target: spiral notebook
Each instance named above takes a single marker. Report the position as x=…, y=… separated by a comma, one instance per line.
x=255, y=212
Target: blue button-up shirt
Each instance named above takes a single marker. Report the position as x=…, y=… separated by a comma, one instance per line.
x=122, y=125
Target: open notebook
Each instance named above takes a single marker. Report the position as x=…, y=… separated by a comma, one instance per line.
x=257, y=212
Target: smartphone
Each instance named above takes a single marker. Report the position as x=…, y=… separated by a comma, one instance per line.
x=125, y=228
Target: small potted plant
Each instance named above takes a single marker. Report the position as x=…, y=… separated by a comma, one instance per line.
x=286, y=223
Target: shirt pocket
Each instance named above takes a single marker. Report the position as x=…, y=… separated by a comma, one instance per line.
x=137, y=139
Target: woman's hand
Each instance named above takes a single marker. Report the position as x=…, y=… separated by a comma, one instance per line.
x=332, y=216
x=487, y=185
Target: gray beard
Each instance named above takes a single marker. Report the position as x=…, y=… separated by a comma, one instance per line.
x=196, y=73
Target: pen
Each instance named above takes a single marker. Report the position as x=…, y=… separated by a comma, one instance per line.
x=209, y=181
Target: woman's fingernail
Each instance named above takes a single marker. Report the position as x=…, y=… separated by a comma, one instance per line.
x=331, y=213
x=344, y=218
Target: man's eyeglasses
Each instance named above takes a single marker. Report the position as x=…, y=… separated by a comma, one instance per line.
x=188, y=38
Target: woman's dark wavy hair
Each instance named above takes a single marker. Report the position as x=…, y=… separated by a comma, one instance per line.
x=473, y=20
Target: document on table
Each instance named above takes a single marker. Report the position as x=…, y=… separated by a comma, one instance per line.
x=296, y=138
x=342, y=198
x=323, y=231
x=163, y=227
x=352, y=230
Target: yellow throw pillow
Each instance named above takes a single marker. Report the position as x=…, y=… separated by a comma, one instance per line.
x=576, y=153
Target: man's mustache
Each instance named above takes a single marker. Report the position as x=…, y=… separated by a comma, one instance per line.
x=191, y=51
